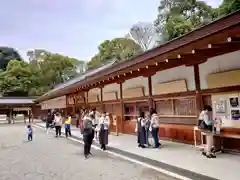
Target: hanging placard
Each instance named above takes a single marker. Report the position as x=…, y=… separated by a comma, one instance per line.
x=220, y=106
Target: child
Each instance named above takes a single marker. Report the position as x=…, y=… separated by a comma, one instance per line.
x=68, y=127
x=30, y=132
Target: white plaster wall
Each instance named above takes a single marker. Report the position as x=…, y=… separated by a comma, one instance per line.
x=216, y=64
x=137, y=82
x=177, y=73
x=112, y=88
x=95, y=91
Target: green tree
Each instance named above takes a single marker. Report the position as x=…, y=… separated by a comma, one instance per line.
x=228, y=6
x=120, y=49
x=177, y=17
x=7, y=54
x=37, y=77
x=16, y=78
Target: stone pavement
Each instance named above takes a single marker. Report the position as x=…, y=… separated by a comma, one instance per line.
x=50, y=158
x=179, y=158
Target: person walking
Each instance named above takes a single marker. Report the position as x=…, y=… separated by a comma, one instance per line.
x=30, y=132
x=58, y=124
x=141, y=132
x=154, y=127
x=87, y=135
x=103, y=131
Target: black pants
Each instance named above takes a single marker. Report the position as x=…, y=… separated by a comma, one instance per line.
x=87, y=138
x=103, y=146
x=58, y=130
x=68, y=132
x=30, y=137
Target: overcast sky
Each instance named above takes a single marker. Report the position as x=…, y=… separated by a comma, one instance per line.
x=71, y=27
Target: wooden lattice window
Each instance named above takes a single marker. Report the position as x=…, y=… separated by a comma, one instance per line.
x=185, y=106
x=164, y=107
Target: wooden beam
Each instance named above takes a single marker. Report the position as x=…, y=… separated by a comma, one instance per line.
x=199, y=102
x=150, y=99
x=101, y=99
x=121, y=108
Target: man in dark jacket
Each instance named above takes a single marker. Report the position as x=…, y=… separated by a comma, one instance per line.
x=87, y=135
x=49, y=121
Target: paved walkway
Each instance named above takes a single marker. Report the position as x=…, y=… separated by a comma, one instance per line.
x=225, y=166
x=50, y=158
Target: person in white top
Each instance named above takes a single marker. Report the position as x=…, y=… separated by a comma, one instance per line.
x=154, y=127
x=58, y=124
x=103, y=130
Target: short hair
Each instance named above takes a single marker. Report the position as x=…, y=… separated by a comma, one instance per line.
x=141, y=114
x=153, y=111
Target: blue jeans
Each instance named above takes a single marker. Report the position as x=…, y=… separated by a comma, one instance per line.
x=147, y=136
x=155, y=137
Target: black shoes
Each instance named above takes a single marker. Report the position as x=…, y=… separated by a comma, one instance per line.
x=209, y=155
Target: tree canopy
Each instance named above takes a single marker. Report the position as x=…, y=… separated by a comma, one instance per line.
x=37, y=77
x=178, y=17
x=120, y=49
x=7, y=54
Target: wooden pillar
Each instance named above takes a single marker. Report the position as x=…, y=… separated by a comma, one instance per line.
x=150, y=97
x=87, y=105
x=10, y=116
x=29, y=116
x=121, y=108
x=101, y=99
x=199, y=102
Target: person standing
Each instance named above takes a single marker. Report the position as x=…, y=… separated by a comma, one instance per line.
x=87, y=135
x=208, y=131
x=141, y=132
x=154, y=127
x=58, y=124
x=68, y=127
x=103, y=131
x=49, y=121
x=147, y=126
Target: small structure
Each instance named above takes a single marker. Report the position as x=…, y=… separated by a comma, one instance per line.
x=14, y=109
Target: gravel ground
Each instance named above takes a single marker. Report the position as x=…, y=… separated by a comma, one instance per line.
x=48, y=158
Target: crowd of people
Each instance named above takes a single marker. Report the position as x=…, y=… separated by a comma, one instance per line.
x=92, y=125
x=146, y=127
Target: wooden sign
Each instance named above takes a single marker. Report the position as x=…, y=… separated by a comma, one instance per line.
x=70, y=100
x=79, y=98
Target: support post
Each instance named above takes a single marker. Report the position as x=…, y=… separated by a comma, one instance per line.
x=150, y=97
x=121, y=108
x=199, y=102
x=10, y=116
x=101, y=99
